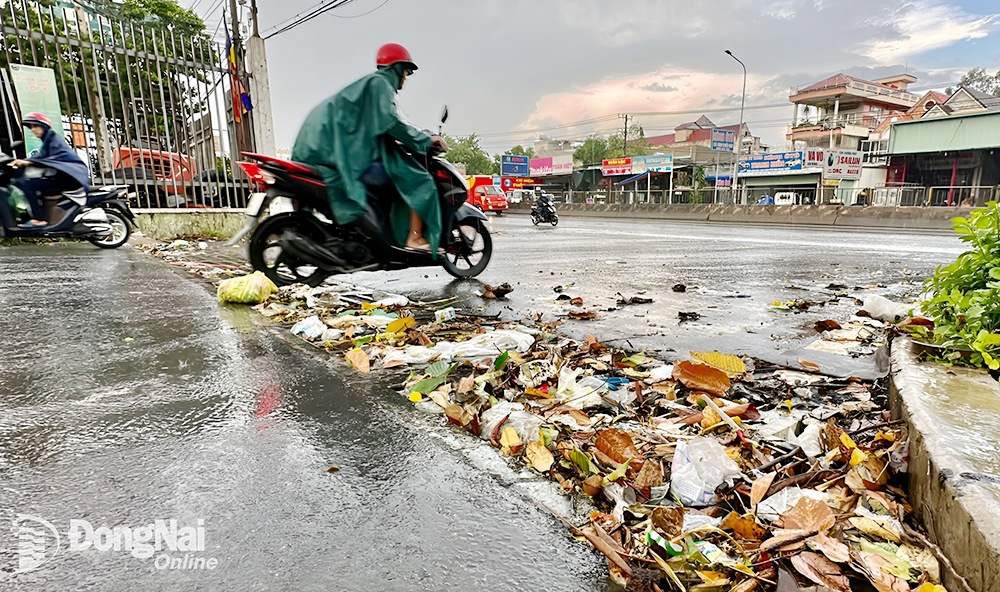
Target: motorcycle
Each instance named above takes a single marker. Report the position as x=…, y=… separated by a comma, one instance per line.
x=544, y=212
x=101, y=216
x=307, y=246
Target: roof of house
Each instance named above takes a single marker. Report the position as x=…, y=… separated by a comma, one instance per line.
x=701, y=123
x=697, y=135
x=988, y=101
x=838, y=80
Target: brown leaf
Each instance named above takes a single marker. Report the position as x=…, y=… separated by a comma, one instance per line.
x=809, y=365
x=539, y=457
x=667, y=389
x=831, y=435
x=760, y=487
x=810, y=514
x=668, y=520
x=576, y=301
x=701, y=378
x=857, y=390
x=883, y=581
x=580, y=417
x=592, y=485
x=582, y=316
x=745, y=528
x=821, y=570
x=827, y=325
x=466, y=384
x=591, y=534
x=649, y=475
x=617, y=445
x=457, y=415
x=834, y=549
x=359, y=360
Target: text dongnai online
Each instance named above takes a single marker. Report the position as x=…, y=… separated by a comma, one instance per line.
x=145, y=541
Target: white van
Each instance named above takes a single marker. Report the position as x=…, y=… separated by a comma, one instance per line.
x=789, y=198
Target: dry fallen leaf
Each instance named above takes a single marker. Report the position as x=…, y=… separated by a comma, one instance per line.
x=359, y=360
x=466, y=384
x=539, y=457
x=883, y=581
x=810, y=514
x=583, y=316
x=821, y=570
x=649, y=475
x=834, y=549
x=809, y=365
x=618, y=446
x=745, y=528
x=759, y=489
x=669, y=520
x=700, y=377
x=728, y=363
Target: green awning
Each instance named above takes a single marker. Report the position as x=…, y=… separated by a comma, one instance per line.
x=975, y=131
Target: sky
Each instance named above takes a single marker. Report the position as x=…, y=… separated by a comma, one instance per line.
x=511, y=70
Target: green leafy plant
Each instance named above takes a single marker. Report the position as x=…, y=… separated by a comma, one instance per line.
x=963, y=299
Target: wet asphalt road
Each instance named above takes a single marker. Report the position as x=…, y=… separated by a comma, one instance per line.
x=733, y=273
x=203, y=416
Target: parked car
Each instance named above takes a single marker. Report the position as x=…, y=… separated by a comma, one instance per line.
x=516, y=196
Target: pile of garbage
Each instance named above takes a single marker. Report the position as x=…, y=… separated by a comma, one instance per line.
x=191, y=255
x=713, y=472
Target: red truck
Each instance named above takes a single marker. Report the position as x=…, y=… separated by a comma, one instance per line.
x=486, y=196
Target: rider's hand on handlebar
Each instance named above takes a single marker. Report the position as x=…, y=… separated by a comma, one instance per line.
x=438, y=144
x=18, y=163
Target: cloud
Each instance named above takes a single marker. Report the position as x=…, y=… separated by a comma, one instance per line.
x=922, y=26
x=657, y=87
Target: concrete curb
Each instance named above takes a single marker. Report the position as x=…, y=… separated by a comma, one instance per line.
x=911, y=218
x=954, y=469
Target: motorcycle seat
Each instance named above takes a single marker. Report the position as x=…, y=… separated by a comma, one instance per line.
x=313, y=171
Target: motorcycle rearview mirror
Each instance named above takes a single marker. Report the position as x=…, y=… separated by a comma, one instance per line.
x=444, y=114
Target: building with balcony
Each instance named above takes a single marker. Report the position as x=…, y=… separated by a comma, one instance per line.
x=842, y=111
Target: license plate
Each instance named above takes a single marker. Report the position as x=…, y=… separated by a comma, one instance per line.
x=256, y=203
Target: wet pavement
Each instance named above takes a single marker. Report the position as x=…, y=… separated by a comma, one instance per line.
x=129, y=395
x=733, y=274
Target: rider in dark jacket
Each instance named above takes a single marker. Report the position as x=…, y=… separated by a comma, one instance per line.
x=67, y=169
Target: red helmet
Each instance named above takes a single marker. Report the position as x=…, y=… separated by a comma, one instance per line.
x=36, y=118
x=393, y=53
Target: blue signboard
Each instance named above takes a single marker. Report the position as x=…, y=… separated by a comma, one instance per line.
x=513, y=166
x=776, y=163
x=723, y=140
x=656, y=163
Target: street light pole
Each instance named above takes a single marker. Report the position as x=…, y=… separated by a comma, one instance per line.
x=739, y=134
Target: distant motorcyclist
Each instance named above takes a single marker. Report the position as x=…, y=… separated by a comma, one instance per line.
x=63, y=171
x=354, y=138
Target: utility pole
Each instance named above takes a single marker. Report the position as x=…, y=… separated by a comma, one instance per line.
x=260, y=89
x=625, y=116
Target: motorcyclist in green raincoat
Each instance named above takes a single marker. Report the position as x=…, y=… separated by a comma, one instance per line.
x=354, y=138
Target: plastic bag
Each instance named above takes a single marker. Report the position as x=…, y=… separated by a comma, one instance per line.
x=700, y=466
x=883, y=309
x=510, y=415
x=310, y=327
x=249, y=289
x=18, y=202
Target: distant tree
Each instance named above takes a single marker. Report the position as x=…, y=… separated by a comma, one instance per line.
x=467, y=151
x=593, y=151
x=979, y=79
x=520, y=151
x=637, y=144
x=698, y=181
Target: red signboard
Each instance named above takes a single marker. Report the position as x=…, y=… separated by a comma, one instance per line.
x=616, y=166
x=512, y=183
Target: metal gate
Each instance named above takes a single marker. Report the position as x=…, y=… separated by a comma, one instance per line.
x=144, y=107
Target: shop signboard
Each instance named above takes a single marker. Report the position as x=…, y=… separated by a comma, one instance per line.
x=540, y=166
x=774, y=163
x=512, y=183
x=723, y=140
x=812, y=158
x=562, y=164
x=513, y=166
x=37, y=91
x=723, y=181
x=616, y=167
x=657, y=163
x=842, y=164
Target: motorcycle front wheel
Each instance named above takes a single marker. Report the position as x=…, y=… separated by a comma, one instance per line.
x=468, y=248
x=283, y=268
x=534, y=219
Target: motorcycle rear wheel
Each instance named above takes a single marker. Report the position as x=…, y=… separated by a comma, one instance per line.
x=281, y=267
x=120, y=231
x=468, y=249
x=554, y=220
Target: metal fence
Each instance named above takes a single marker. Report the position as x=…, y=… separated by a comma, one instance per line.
x=144, y=107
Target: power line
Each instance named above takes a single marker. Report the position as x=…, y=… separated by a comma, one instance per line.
x=322, y=9
x=384, y=2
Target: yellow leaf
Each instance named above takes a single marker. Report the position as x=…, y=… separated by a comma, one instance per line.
x=929, y=587
x=401, y=324
x=846, y=441
x=533, y=392
x=857, y=457
x=416, y=397
x=539, y=456
x=509, y=438
x=359, y=360
x=885, y=436
x=789, y=404
x=777, y=303
x=728, y=363
x=367, y=306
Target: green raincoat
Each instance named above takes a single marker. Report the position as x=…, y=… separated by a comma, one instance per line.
x=359, y=125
